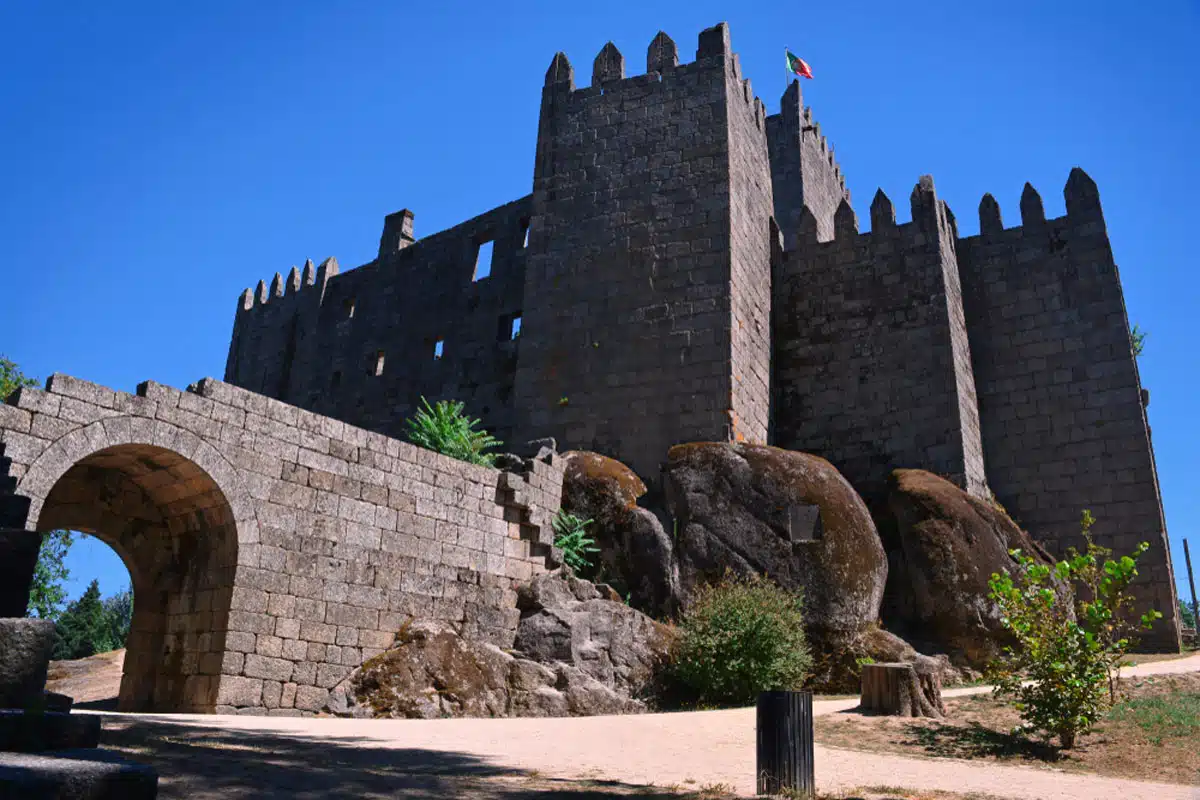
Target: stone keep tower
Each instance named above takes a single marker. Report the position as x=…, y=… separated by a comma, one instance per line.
x=647, y=284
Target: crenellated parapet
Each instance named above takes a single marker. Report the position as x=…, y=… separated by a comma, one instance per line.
x=804, y=171
x=868, y=327
x=1062, y=410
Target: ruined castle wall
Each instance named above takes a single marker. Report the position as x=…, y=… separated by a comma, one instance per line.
x=1063, y=420
x=360, y=345
x=803, y=169
x=333, y=536
x=869, y=349
x=628, y=341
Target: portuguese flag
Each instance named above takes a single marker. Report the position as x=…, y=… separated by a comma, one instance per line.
x=797, y=65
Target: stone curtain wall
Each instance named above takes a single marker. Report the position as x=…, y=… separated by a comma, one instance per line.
x=341, y=534
x=867, y=358
x=315, y=339
x=1060, y=401
x=803, y=168
x=628, y=282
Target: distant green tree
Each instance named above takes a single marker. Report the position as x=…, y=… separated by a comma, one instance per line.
x=47, y=594
x=1186, y=616
x=11, y=378
x=118, y=616
x=82, y=628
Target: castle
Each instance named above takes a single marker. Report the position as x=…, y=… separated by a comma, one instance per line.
x=688, y=268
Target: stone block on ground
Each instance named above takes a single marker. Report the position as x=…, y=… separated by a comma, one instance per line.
x=75, y=775
x=39, y=731
x=902, y=690
x=25, y=646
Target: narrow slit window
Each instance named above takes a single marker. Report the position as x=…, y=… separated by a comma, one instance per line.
x=525, y=234
x=379, y=363
x=438, y=349
x=483, y=261
x=515, y=327
x=336, y=380
x=348, y=307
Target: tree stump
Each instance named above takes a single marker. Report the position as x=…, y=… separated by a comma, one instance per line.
x=902, y=690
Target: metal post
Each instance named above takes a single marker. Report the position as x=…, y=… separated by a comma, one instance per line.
x=1192, y=583
x=785, y=744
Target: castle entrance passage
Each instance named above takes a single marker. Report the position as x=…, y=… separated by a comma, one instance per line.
x=173, y=527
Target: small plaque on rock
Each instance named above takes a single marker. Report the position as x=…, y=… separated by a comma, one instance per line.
x=804, y=522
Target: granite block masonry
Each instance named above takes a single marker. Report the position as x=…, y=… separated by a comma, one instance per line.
x=689, y=268
x=271, y=550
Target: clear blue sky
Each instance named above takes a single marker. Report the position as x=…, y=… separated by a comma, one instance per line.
x=159, y=159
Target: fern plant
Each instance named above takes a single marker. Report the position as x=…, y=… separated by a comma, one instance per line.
x=570, y=536
x=444, y=428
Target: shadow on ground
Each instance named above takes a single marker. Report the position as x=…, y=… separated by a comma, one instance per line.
x=207, y=763
x=202, y=763
x=973, y=740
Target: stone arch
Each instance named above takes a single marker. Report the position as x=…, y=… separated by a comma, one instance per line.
x=175, y=511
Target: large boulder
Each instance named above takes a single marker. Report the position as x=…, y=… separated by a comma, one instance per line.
x=580, y=652
x=755, y=509
x=636, y=555
x=944, y=545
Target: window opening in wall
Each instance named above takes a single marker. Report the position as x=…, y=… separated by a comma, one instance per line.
x=438, y=348
x=515, y=328
x=378, y=363
x=524, y=233
x=483, y=261
x=348, y=307
x=336, y=380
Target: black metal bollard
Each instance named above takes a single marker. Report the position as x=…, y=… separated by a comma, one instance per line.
x=785, y=743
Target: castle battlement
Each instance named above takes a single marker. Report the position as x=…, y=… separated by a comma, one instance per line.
x=688, y=268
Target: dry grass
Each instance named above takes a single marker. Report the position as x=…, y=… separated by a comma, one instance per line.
x=1151, y=735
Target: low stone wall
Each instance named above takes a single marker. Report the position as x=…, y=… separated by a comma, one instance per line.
x=317, y=540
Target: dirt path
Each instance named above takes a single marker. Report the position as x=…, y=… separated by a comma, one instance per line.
x=697, y=748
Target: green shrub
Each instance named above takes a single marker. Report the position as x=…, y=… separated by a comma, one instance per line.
x=570, y=536
x=445, y=429
x=738, y=638
x=1061, y=673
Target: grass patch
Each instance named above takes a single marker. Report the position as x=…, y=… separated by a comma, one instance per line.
x=1162, y=716
x=1150, y=734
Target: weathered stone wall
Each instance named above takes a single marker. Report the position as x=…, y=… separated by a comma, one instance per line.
x=288, y=546
x=628, y=346
x=869, y=348
x=360, y=345
x=1061, y=405
x=750, y=215
x=803, y=170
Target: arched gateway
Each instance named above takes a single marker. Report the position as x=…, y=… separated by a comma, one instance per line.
x=271, y=550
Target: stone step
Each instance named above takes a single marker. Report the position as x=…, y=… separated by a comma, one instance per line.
x=75, y=775
x=36, y=732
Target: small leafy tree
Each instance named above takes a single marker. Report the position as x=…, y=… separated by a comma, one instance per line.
x=570, y=536
x=739, y=637
x=47, y=593
x=1062, y=670
x=445, y=429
